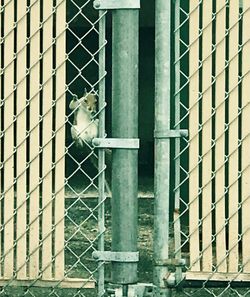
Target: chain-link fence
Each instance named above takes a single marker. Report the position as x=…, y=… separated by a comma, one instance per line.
x=52, y=183
x=52, y=64
x=211, y=193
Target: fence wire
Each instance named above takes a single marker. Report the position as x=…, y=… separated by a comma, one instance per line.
x=211, y=204
x=52, y=67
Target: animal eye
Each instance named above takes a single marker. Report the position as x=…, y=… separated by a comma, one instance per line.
x=85, y=100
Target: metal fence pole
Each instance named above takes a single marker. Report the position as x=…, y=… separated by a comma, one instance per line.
x=177, y=193
x=162, y=145
x=101, y=152
x=124, y=125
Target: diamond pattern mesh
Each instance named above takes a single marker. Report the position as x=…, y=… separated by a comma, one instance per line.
x=211, y=192
x=49, y=223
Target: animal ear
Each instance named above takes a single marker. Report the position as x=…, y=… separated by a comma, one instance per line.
x=73, y=104
x=85, y=91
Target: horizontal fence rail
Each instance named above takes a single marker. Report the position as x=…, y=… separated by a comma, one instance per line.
x=46, y=240
x=212, y=195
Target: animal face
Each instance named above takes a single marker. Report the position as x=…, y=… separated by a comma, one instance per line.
x=87, y=103
x=90, y=103
x=85, y=123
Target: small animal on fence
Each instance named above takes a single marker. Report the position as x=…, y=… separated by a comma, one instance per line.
x=85, y=128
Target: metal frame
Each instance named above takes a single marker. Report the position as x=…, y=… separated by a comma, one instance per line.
x=162, y=145
x=124, y=125
x=101, y=152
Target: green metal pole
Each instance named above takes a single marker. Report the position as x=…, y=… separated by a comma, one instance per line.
x=124, y=125
x=162, y=146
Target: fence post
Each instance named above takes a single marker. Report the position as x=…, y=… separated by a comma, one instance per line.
x=101, y=152
x=124, y=125
x=162, y=145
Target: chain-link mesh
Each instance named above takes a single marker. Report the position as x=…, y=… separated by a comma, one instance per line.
x=211, y=217
x=51, y=219
x=52, y=66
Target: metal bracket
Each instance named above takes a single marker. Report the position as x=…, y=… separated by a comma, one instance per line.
x=171, y=134
x=116, y=4
x=170, y=262
x=116, y=256
x=118, y=143
x=137, y=290
x=172, y=281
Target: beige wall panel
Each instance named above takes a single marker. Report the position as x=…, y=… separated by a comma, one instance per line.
x=220, y=88
x=21, y=139
x=233, y=136
x=47, y=140
x=34, y=140
x=207, y=136
x=246, y=138
x=60, y=140
x=193, y=135
x=8, y=139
